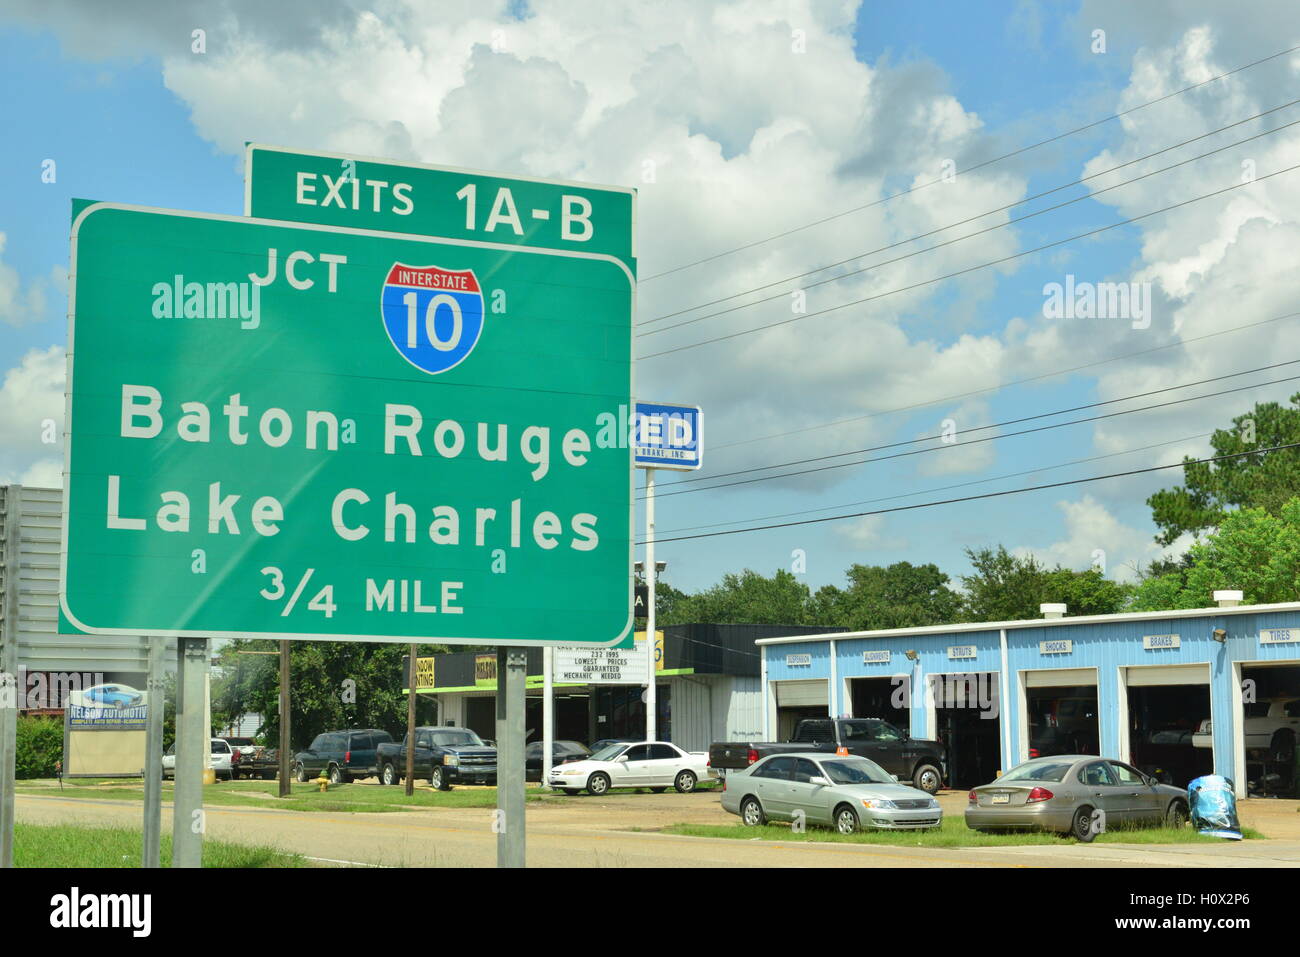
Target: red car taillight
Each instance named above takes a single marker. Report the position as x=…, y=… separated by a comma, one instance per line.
x=752, y=756
x=347, y=757
x=234, y=757
x=1033, y=753
x=1039, y=794
x=971, y=798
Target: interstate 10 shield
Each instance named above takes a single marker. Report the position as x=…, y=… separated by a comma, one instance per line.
x=434, y=316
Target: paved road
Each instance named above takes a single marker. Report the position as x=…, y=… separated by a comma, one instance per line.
x=464, y=838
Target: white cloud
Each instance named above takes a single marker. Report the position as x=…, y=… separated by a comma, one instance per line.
x=31, y=410
x=46, y=473
x=19, y=306
x=1095, y=537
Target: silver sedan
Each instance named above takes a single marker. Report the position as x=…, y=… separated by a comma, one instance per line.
x=846, y=793
x=1076, y=794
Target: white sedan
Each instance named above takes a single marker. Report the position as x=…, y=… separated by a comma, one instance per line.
x=656, y=765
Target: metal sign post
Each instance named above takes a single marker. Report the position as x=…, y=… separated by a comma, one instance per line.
x=156, y=695
x=671, y=436
x=650, y=688
x=9, y=689
x=191, y=747
x=512, y=671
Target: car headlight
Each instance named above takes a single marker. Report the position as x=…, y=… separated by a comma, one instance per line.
x=879, y=804
x=450, y=759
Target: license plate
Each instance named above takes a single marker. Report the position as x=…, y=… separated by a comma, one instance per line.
x=1001, y=799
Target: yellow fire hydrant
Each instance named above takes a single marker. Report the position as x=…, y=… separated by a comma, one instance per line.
x=323, y=782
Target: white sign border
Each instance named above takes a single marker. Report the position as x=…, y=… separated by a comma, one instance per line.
x=333, y=230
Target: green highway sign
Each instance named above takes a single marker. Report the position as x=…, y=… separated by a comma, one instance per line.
x=295, y=430
x=336, y=189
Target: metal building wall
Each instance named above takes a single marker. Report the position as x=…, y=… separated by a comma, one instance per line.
x=708, y=708
x=40, y=646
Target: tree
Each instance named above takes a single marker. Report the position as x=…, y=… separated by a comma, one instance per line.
x=334, y=684
x=1006, y=587
x=747, y=598
x=1212, y=489
x=1253, y=550
x=901, y=595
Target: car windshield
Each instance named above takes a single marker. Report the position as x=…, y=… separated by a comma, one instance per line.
x=1037, y=771
x=856, y=771
x=608, y=753
x=453, y=739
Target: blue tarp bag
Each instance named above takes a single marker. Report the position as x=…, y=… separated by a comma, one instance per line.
x=1213, y=807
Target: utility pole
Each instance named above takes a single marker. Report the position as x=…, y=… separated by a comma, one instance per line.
x=410, y=721
x=548, y=712
x=285, y=787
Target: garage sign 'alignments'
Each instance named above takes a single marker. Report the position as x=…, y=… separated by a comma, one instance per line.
x=294, y=430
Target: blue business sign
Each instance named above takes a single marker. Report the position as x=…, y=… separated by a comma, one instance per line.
x=107, y=707
x=667, y=436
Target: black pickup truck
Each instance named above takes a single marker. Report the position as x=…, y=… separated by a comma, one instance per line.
x=445, y=756
x=912, y=760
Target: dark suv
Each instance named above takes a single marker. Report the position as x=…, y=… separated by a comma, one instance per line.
x=344, y=756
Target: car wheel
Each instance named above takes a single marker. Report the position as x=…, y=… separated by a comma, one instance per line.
x=685, y=782
x=658, y=790
x=335, y=775
x=927, y=778
x=268, y=775
x=1081, y=828
x=1176, y=816
x=438, y=780
x=300, y=773
x=598, y=783
x=846, y=819
x=389, y=775
x=1283, y=747
x=751, y=812
x=571, y=791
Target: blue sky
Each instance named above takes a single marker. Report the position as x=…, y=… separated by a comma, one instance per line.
x=139, y=122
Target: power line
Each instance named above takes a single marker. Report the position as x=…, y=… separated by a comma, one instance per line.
x=971, y=169
x=1005, y=385
x=990, y=438
x=983, y=495
x=969, y=269
x=993, y=425
x=979, y=232
x=944, y=488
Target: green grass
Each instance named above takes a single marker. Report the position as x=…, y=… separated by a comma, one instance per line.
x=953, y=832
x=304, y=797
x=39, y=845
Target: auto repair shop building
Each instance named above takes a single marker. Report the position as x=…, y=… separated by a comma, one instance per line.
x=1136, y=687
x=708, y=689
